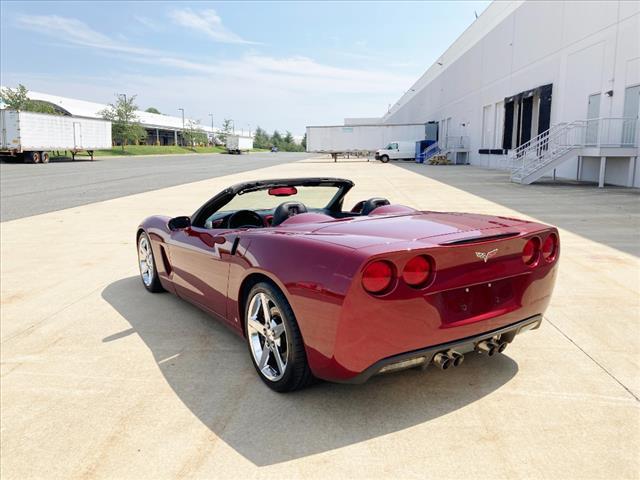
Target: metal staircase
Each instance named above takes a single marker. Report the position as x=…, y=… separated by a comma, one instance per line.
x=428, y=152
x=540, y=155
x=433, y=149
x=565, y=141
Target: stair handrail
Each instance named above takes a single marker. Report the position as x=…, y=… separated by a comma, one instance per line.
x=547, y=146
x=431, y=149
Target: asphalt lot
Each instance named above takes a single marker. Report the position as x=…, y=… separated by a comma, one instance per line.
x=27, y=190
x=100, y=379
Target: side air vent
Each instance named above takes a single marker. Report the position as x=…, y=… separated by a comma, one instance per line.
x=481, y=239
x=165, y=260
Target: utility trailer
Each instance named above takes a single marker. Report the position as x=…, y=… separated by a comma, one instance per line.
x=31, y=136
x=239, y=143
x=362, y=139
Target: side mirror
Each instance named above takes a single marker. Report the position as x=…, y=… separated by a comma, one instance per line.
x=179, y=223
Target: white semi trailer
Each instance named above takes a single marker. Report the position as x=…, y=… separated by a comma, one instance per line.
x=366, y=138
x=32, y=136
x=239, y=143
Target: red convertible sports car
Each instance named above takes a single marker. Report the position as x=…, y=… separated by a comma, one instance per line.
x=322, y=292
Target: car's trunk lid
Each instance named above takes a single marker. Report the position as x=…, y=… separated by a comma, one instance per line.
x=424, y=227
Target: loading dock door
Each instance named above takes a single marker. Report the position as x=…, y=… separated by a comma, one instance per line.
x=544, y=112
x=527, y=114
x=487, y=127
x=508, y=125
x=431, y=131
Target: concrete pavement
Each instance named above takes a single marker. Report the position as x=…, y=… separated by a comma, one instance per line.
x=100, y=379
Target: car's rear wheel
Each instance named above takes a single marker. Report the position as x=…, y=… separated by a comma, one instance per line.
x=274, y=340
x=147, y=264
x=384, y=158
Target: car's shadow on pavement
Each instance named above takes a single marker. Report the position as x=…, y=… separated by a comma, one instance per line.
x=209, y=368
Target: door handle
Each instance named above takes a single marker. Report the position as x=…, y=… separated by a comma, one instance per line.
x=211, y=240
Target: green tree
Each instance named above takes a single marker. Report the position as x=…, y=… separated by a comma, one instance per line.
x=276, y=139
x=288, y=139
x=125, y=127
x=18, y=99
x=261, y=138
x=153, y=110
x=194, y=135
x=303, y=144
x=289, y=144
x=226, y=130
x=15, y=99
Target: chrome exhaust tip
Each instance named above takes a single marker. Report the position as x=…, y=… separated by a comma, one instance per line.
x=486, y=346
x=441, y=360
x=490, y=347
x=456, y=358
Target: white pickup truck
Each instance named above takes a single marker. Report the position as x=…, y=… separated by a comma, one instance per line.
x=31, y=136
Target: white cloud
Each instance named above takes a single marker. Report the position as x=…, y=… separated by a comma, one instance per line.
x=76, y=32
x=148, y=23
x=296, y=72
x=285, y=92
x=207, y=22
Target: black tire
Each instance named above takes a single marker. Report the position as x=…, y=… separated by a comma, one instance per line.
x=152, y=284
x=297, y=374
x=384, y=158
x=32, y=157
x=44, y=157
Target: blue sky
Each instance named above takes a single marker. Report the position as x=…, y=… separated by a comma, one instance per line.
x=275, y=64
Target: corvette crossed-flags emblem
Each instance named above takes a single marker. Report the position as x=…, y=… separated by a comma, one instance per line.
x=486, y=255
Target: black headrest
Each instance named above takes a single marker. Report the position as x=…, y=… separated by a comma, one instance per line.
x=286, y=210
x=373, y=203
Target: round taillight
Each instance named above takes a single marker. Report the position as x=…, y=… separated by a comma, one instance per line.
x=531, y=251
x=550, y=247
x=417, y=270
x=377, y=276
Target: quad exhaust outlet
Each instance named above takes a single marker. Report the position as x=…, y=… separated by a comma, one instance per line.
x=450, y=358
x=490, y=347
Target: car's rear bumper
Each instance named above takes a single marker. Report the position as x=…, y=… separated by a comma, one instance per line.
x=463, y=345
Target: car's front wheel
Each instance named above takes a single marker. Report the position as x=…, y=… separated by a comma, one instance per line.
x=384, y=158
x=147, y=264
x=274, y=340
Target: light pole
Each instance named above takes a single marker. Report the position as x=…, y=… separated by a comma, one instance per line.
x=211, y=115
x=182, y=110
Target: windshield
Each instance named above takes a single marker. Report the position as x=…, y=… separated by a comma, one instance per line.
x=312, y=197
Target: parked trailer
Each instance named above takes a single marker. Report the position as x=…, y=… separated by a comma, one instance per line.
x=33, y=135
x=356, y=139
x=239, y=143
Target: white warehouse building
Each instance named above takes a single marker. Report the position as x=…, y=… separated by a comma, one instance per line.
x=540, y=87
x=161, y=129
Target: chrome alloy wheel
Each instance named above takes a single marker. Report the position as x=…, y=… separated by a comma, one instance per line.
x=267, y=336
x=145, y=259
